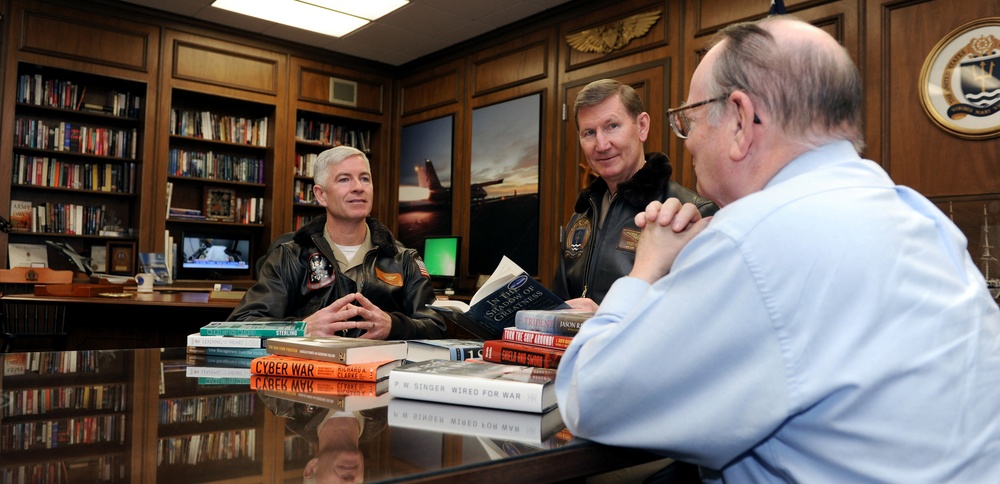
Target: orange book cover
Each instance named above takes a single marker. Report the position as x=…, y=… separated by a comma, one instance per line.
x=290, y=366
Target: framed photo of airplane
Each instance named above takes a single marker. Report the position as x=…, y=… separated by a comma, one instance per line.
x=425, y=188
x=506, y=147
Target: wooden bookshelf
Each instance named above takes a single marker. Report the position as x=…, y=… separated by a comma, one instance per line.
x=76, y=158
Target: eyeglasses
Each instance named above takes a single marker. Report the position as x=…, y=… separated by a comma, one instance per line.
x=680, y=123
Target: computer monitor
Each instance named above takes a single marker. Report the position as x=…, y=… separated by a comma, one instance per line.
x=214, y=256
x=441, y=256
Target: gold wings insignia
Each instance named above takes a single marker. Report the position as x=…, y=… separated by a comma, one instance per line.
x=615, y=35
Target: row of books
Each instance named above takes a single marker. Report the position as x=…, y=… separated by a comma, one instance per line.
x=229, y=129
x=216, y=166
x=62, y=136
x=44, y=171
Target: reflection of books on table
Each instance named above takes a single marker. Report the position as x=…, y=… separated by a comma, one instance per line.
x=338, y=402
x=346, y=351
x=318, y=386
x=481, y=384
x=443, y=349
x=508, y=290
x=218, y=372
x=475, y=421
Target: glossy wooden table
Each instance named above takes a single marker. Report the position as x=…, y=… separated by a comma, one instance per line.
x=140, y=320
x=158, y=411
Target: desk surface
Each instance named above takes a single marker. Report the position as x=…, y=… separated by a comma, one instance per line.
x=158, y=413
x=156, y=298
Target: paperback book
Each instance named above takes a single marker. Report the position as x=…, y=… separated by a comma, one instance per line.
x=338, y=349
x=564, y=322
x=474, y=421
x=262, y=329
x=443, y=349
x=508, y=290
x=290, y=366
x=480, y=384
x=197, y=340
x=21, y=215
x=511, y=352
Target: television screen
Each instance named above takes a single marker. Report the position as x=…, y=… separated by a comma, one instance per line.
x=441, y=255
x=211, y=256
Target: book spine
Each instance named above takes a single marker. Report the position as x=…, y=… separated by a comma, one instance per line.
x=238, y=352
x=310, y=369
x=564, y=325
x=204, y=380
x=537, y=338
x=509, y=352
x=436, y=387
x=466, y=353
x=261, y=333
x=224, y=341
x=330, y=355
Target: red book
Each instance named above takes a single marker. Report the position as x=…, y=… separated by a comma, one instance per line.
x=513, y=353
x=537, y=338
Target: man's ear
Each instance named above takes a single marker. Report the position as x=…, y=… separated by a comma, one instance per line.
x=744, y=131
x=643, y=121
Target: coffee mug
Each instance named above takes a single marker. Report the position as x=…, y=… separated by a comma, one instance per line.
x=144, y=282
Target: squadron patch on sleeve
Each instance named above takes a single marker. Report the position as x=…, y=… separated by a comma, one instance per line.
x=629, y=239
x=577, y=238
x=321, y=272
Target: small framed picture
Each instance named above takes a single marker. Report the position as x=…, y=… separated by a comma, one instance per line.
x=121, y=258
x=220, y=204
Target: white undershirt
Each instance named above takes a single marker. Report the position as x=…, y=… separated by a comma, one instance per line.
x=348, y=251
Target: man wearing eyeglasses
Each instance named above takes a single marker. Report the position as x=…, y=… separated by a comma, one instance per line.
x=825, y=325
x=601, y=236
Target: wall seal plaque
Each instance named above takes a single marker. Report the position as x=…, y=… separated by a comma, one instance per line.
x=960, y=80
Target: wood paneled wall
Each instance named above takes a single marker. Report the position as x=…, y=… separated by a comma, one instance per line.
x=888, y=39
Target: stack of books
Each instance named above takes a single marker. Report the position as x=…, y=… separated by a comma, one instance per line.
x=224, y=350
x=443, y=349
x=538, y=338
x=343, y=374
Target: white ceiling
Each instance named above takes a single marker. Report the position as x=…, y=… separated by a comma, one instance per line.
x=417, y=29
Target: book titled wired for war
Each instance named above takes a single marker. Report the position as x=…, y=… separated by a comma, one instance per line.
x=262, y=329
x=506, y=387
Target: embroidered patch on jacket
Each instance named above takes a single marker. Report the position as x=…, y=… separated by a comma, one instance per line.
x=320, y=272
x=577, y=238
x=392, y=279
x=629, y=239
x=422, y=267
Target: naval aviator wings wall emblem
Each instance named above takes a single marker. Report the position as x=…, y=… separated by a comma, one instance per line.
x=960, y=80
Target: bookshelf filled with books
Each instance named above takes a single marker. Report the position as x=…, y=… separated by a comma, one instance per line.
x=218, y=171
x=67, y=417
x=76, y=158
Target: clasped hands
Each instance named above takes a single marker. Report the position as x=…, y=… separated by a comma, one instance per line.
x=337, y=316
x=666, y=228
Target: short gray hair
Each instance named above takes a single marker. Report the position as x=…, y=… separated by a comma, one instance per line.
x=812, y=94
x=333, y=157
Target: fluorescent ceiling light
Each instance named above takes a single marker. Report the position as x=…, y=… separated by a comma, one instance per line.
x=329, y=17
